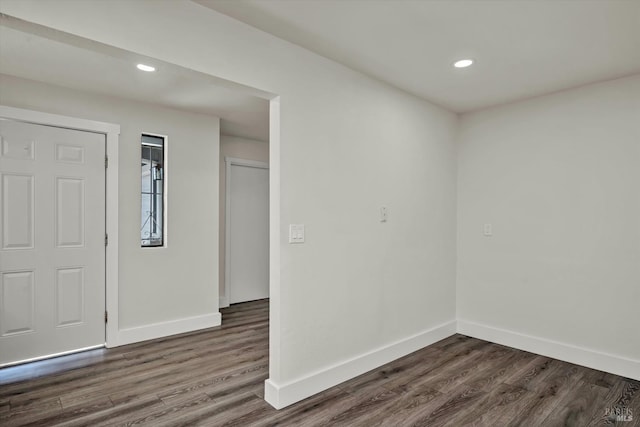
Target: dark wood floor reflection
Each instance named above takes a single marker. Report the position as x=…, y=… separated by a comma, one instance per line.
x=215, y=377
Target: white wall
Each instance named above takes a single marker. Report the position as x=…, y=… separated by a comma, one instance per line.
x=358, y=292
x=558, y=177
x=241, y=148
x=156, y=285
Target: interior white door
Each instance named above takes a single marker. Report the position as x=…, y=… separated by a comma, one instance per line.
x=248, y=232
x=52, y=253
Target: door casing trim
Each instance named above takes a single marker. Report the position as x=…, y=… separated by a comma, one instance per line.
x=112, y=135
x=232, y=161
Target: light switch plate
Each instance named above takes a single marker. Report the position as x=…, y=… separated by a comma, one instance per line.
x=296, y=233
x=488, y=230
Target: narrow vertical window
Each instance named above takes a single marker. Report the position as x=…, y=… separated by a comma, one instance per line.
x=152, y=191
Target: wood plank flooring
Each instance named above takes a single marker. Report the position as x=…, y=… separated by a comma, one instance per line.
x=215, y=377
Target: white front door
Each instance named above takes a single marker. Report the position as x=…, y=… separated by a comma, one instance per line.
x=52, y=240
x=248, y=231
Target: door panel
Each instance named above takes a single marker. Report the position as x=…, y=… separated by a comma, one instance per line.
x=69, y=212
x=52, y=258
x=248, y=234
x=17, y=216
x=70, y=296
x=17, y=302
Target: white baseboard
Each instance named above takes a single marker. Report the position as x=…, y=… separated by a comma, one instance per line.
x=580, y=356
x=272, y=394
x=281, y=395
x=165, y=329
x=223, y=302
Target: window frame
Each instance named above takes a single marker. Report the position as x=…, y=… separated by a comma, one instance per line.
x=165, y=169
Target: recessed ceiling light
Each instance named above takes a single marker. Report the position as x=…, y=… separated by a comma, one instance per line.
x=463, y=63
x=147, y=68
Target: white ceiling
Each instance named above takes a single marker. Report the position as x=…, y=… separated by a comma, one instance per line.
x=522, y=48
x=77, y=63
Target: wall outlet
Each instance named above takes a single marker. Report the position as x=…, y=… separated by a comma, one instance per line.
x=487, y=230
x=383, y=214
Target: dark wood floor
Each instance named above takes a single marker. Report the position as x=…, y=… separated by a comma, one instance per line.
x=215, y=377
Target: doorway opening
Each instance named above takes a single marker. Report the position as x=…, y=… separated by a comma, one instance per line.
x=107, y=74
x=244, y=221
